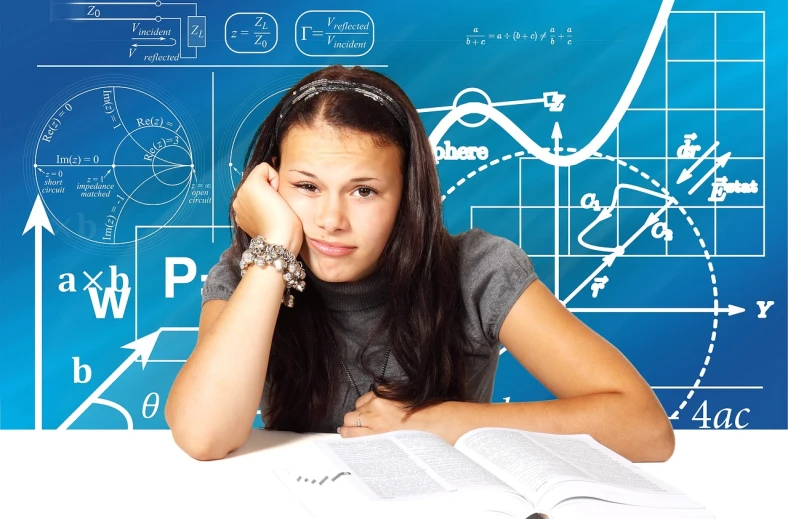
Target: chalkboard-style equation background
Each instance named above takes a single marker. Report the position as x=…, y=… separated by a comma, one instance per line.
x=625, y=146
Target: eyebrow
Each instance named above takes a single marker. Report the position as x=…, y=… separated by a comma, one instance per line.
x=357, y=179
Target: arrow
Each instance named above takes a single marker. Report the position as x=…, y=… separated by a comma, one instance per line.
x=686, y=174
x=719, y=162
x=607, y=212
x=606, y=262
x=142, y=348
x=155, y=44
x=551, y=100
x=619, y=251
x=650, y=221
x=38, y=219
x=556, y=136
x=731, y=310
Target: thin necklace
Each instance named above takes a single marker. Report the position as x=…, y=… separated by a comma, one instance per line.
x=388, y=350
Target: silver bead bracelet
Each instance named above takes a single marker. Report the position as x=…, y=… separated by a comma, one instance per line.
x=262, y=253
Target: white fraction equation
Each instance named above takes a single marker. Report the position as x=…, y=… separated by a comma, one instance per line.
x=334, y=33
x=552, y=36
x=251, y=33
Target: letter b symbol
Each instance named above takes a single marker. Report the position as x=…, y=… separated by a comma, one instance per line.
x=78, y=372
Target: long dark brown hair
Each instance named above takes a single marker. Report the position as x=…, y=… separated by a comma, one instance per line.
x=422, y=320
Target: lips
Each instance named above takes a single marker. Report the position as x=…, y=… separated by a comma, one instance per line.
x=331, y=250
x=333, y=245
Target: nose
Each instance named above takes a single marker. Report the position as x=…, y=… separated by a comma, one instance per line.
x=331, y=213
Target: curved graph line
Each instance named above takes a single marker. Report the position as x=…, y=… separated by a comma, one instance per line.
x=157, y=173
x=129, y=133
x=130, y=136
x=156, y=155
x=240, y=125
x=607, y=212
x=599, y=139
x=130, y=197
x=119, y=408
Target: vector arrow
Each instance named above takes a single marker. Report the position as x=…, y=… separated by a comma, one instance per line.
x=731, y=310
x=38, y=219
x=686, y=174
x=141, y=348
x=719, y=162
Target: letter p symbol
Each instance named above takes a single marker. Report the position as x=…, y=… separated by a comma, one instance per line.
x=171, y=279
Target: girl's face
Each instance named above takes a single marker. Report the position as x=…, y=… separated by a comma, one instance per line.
x=345, y=190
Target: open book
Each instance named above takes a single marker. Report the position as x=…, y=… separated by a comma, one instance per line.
x=489, y=472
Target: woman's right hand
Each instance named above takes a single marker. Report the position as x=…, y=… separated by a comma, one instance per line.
x=260, y=210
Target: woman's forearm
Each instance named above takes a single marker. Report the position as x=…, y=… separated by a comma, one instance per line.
x=214, y=399
x=635, y=428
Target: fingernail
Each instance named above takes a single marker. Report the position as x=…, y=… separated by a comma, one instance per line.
x=338, y=428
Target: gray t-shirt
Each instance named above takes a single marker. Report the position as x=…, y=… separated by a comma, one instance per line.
x=494, y=271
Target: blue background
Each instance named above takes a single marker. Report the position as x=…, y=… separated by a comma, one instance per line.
x=206, y=105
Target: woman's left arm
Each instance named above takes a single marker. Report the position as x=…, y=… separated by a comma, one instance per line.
x=598, y=390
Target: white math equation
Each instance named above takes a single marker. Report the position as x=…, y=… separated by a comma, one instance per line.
x=161, y=32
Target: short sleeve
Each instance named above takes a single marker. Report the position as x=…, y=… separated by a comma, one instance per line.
x=494, y=271
x=222, y=279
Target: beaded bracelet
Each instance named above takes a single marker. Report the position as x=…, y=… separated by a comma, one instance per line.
x=262, y=253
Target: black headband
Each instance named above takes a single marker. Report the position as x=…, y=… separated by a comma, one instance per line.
x=337, y=85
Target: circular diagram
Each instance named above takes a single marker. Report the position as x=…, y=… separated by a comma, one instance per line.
x=112, y=159
x=244, y=133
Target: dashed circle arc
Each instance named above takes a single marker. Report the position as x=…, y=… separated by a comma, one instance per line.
x=701, y=242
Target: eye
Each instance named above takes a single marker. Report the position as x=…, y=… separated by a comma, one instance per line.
x=364, y=188
x=306, y=186
x=310, y=187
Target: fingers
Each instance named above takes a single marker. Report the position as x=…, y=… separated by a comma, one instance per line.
x=354, y=432
x=271, y=176
x=350, y=419
x=266, y=171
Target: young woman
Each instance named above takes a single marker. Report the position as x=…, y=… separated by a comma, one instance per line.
x=354, y=310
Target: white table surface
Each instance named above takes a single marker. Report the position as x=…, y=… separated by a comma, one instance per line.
x=136, y=474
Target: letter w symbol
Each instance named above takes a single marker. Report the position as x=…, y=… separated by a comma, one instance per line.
x=100, y=308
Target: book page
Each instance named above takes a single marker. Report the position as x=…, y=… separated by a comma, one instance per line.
x=585, y=507
x=547, y=468
x=330, y=494
x=610, y=476
x=410, y=465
